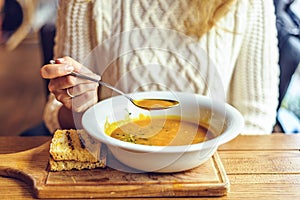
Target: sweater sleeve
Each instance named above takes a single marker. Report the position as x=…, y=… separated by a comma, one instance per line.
x=75, y=38
x=256, y=76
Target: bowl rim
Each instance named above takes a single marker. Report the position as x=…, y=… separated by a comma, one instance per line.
x=226, y=136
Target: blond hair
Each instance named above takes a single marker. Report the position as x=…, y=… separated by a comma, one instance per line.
x=206, y=15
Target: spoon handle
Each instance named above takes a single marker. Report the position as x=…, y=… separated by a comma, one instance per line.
x=84, y=77
x=99, y=82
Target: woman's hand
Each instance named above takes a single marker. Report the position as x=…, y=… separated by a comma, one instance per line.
x=74, y=93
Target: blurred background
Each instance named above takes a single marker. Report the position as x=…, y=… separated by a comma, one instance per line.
x=27, y=30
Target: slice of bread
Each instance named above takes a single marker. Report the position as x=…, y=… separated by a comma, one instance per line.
x=71, y=164
x=75, y=149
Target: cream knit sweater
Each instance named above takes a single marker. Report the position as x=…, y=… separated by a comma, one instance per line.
x=138, y=45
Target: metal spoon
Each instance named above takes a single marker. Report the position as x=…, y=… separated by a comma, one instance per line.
x=148, y=104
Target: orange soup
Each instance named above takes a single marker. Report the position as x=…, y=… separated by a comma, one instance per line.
x=161, y=131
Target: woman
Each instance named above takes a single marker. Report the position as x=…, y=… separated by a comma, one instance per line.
x=238, y=39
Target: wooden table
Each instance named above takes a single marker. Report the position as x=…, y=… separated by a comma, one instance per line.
x=258, y=167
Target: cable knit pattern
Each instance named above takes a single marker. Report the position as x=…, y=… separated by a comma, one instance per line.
x=77, y=29
x=255, y=82
x=242, y=48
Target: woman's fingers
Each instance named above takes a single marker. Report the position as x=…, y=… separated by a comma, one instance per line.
x=78, y=67
x=74, y=93
x=75, y=85
x=51, y=71
x=81, y=89
x=69, y=61
x=79, y=103
x=61, y=67
x=65, y=82
x=82, y=93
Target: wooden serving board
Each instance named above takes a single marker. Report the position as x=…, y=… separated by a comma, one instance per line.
x=31, y=166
